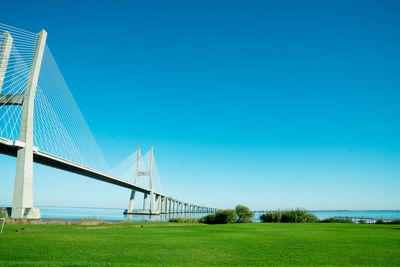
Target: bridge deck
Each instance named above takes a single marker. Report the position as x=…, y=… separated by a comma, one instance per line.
x=7, y=147
x=10, y=148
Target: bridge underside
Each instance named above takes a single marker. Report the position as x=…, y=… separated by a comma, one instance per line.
x=7, y=147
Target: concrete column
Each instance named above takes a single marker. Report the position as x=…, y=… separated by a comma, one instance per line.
x=159, y=204
x=23, y=184
x=5, y=49
x=152, y=202
x=145, y=196
x=131, y=201
x=156, y=203
x=164, y=205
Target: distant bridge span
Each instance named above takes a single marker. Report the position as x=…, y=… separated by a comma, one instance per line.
x=18, y=84
x=166, y=204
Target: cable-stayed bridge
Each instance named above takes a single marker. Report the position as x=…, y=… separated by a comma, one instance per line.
x=41, y=122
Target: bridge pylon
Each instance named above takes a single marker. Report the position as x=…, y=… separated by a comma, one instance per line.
x=22, y=206
x=147, y=173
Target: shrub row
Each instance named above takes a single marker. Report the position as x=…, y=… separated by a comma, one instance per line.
x=241, y=214
x=220, y=217
x=183, y=220
x=337, y=220
x=289, y=216
x=394, y=221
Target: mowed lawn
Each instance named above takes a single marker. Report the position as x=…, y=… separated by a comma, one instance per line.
x=169, y=244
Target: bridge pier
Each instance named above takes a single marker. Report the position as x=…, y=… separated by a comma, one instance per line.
x=131, y=201
x=22, y=206
x=165, y=205
x=159, y=204
x=145, y=196
x=152, y=202
x=162, y=205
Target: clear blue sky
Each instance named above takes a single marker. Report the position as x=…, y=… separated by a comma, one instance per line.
x=271, y=104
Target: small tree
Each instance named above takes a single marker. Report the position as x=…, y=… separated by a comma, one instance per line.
x=244, y=214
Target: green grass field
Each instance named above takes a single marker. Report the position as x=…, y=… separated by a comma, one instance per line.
x=167, y=244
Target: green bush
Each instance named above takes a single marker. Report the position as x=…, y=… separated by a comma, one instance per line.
x=209, y=219
x=337, y=220
x=244, y=215
x=289, y=216
x=394, y=221
x=183, y=220
x=220, y=217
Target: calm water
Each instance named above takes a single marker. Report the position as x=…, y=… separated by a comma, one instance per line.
x=117, y=214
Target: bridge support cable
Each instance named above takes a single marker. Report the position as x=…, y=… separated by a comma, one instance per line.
x=65, y=132
x=16, y=50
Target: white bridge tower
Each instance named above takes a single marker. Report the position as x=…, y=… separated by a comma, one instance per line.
x=22, y=206
x=147, y=173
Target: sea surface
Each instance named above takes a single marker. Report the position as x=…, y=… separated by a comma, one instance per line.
x=117, y=214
